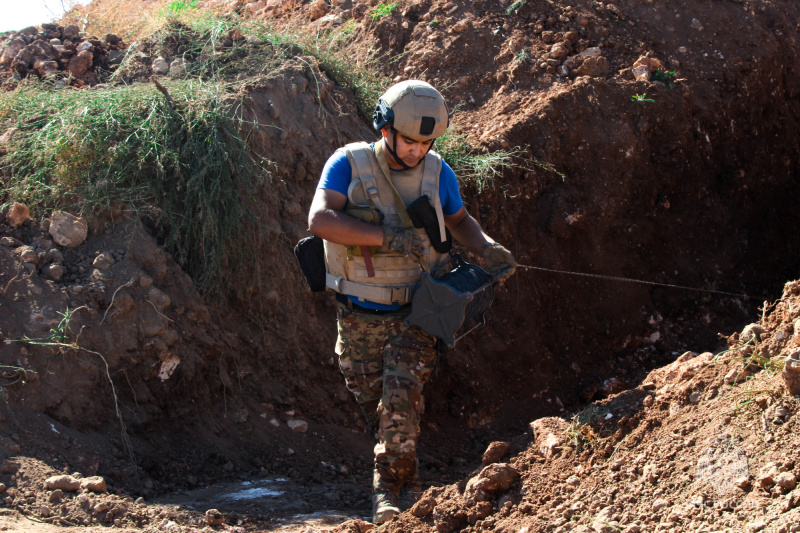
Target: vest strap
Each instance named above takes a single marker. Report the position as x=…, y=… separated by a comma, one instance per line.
x=398, y=295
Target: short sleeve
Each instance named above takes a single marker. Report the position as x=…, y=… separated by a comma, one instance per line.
x=449, y=193
x=336, y=173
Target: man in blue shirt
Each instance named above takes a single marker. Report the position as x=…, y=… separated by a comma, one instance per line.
x=374, y=257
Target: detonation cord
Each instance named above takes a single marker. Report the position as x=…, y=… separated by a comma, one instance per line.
x=629, y=280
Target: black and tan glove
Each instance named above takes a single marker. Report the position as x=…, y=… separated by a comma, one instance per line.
x=499, y=261
x=404, y=241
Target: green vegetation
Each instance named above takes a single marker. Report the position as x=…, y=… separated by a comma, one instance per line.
x=382, y=10
x=181, y=157
x=581, y=431
x=667, y=78
x=187, y=166
x=181, y=6
x=513, y=8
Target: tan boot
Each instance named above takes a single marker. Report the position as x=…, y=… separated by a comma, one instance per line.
x=384, y=507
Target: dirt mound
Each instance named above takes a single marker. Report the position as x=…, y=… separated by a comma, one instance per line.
x=680, y=176
x=706, y=443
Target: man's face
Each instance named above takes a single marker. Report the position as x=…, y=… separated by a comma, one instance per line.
x=409, y=150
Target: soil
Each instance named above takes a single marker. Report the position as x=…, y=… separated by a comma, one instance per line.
x=622, y=405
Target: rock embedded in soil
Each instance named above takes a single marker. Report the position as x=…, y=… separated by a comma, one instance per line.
x=495, y=452
x=63, y=482
x=17, y=214
x=300, y=426
x=94, y=484
x=214, y=518
x=492, y=480
x=68, y=230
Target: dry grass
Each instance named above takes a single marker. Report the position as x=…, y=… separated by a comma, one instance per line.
x=129, y=19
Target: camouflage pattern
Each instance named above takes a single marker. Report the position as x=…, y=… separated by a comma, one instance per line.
x=387, y=362
x=407, y=242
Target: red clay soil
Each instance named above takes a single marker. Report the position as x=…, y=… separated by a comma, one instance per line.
x=694, y=188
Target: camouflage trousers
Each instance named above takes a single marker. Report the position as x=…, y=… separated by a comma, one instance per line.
x=385, y=365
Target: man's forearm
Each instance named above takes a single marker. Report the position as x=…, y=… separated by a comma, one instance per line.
x=339, y=228
x=470, y=234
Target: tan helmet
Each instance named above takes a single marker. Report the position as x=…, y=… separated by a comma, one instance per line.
x=414, y=108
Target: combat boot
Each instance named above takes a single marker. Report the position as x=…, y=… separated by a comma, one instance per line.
x=384, y=507
x=409, y=495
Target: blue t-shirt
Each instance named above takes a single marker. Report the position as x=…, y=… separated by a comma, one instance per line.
x=336, y=176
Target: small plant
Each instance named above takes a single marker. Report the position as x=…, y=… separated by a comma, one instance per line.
x=181, y=6
x=382, y=10
x=581, y=431
x=641, y=99
x=513, y=8
x=522, y=57
x=434, y=23
x=661, y=75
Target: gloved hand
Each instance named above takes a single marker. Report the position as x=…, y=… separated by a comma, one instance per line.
x=405, y=241
x=499, y=261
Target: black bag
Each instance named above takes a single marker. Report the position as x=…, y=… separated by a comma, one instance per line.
x=311, y=255
x=423, y=215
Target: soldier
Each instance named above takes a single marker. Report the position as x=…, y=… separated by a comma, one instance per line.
x=374, y=257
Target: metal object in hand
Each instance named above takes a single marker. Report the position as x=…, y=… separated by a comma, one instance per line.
x=452, y=300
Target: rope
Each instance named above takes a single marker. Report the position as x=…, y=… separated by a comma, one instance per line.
x=616, y=278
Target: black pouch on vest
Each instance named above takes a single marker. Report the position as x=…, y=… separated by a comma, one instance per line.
x=311, y=255
x=423, y=215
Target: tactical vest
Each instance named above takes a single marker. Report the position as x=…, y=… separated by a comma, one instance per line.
x=393, y=276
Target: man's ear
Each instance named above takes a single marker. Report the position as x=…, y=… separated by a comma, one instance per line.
x=385, y=131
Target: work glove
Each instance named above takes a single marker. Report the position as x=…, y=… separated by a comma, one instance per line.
x=405, y=241
x=499, y=261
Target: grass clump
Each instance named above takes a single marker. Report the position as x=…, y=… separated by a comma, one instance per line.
x=482, y=170
x=184, y=163
x=581, y=432
x=382, y=10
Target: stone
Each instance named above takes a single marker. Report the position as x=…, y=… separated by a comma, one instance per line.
x=495, y=452
x=10, y=242
x=70, y=32
x=94, y=484
x=68, y=230
x=214, y=518
x=160, y=66
x=593, y=67
x=56, y=496
x=559, y=51
x=300, y=426
x=769, y=473
x=493, y=479
x=605, y=521
x=54, y=256
x=424, y=506
x=752, y=331
x=786, y=480
x=27, y=254
x=613, y=386
x=319, y=9
x=660, y=503
x=103, y=261
x=11, y=50
x=17, y=214
x=178, y=67
x=549, y=435
x=54, y=271
x=46, y=69
x=791, y=372
x=85, y=45
x=80, y=63
x=63, y=482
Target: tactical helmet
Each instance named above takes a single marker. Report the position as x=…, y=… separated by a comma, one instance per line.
x=414, y=108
